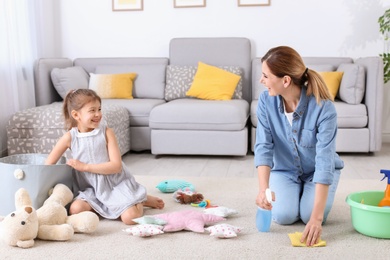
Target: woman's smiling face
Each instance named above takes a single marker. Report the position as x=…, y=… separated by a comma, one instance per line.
x=273, y=83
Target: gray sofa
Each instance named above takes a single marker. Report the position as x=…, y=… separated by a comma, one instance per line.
x=194, y=126
x=157, y=122
x=163, y=120
x=358, y=103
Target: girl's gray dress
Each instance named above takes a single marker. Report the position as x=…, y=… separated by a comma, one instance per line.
x=109, y=195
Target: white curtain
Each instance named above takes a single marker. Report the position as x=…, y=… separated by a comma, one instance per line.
x=19, y=36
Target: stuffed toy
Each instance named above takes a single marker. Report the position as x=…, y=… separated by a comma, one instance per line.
x=187, y=196
x=49, y=222
x=169, y=186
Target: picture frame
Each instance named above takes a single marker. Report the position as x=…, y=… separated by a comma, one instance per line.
x=254, y=2
x=127, y=5
x=189, y=3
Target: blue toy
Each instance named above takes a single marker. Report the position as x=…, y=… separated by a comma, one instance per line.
x=169, y=186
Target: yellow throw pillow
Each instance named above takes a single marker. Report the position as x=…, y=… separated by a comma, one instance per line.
x=213, y=83
x=332, y=80
x=113, y=85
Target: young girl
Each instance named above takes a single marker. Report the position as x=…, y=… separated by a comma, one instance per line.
x=101, y=181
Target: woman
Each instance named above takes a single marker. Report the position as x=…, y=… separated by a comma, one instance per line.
x=295, y=150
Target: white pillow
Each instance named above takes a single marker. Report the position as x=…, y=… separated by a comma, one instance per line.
x=69, y=78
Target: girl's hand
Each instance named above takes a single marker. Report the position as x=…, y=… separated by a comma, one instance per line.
x=312, y=232
x=262, y=201
x=76, y=164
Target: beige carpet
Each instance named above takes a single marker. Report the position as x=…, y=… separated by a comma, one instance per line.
x=110, y=242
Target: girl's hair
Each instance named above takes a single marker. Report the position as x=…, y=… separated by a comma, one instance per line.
x=285, y=61
x=75, y=100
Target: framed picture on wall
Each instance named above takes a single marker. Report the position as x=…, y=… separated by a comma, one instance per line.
x=254, y=2
x=127, y=5
x=189, y=3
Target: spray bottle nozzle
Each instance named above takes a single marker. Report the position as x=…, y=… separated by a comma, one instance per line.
x=387, y=175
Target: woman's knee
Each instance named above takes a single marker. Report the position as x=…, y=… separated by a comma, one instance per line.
x=285, y=217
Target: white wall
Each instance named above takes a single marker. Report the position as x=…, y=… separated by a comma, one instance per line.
x=348, y=28
x=90, y=28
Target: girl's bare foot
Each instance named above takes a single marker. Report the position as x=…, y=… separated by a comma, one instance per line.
x=154, y=202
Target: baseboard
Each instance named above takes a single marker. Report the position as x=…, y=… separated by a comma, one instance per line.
x=386, y=137
x=3, y=153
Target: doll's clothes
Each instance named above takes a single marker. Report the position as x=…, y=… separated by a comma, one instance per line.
x=187, y=196
x=109, y=195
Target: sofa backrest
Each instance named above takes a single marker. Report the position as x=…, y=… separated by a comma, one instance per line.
x=45, y=93
x=150, y=80
x=149, y=83
x=315, y=63
x=229, y=51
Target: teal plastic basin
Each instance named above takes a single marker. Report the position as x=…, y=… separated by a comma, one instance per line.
x=367, y=218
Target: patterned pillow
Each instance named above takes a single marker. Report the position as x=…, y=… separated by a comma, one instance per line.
x=179, y=80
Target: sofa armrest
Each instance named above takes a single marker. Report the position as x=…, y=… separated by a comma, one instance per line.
x=373, y=99
x=45, y=93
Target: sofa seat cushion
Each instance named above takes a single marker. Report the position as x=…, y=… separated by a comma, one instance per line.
x=195, y=114
x=37, y=129
x=348, y=116
x=351, y=116
x=139, y=108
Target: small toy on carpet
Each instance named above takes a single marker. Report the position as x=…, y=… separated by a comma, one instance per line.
x=204, y=204
x=223, y=230
x=221, y=211
x=144, y=230
x=169, y=186
x=187, y=196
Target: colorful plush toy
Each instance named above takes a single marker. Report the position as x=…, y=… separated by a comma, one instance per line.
x=49, y=222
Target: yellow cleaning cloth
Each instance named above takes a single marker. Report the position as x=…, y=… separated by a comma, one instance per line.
x=296, y=240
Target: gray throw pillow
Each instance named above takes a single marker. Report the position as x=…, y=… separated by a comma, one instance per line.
x=69, y=78
x=180, y=77
x=352, y=86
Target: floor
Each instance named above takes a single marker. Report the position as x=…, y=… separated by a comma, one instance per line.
x=356, y=166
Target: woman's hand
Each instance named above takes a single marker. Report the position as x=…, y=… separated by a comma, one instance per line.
x=76, y=164
x=312, y=232
x=262, y=201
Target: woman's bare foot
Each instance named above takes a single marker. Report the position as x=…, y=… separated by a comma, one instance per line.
x=154, y=202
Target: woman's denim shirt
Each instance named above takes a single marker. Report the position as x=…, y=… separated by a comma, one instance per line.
x=306, y=149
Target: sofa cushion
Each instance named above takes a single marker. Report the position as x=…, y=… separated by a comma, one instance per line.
x=332, y=80
x=139, y=108
x=348, y=115
x=213, y=83
x=70, y=78
x=352, y=85
x=180, y=77
x=351, y=116
x=113, y=85
x=195, y=114
x=321, y=67
x=150, y=81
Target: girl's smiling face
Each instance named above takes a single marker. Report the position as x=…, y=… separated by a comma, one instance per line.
x=274, y=84
x=88, y=117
